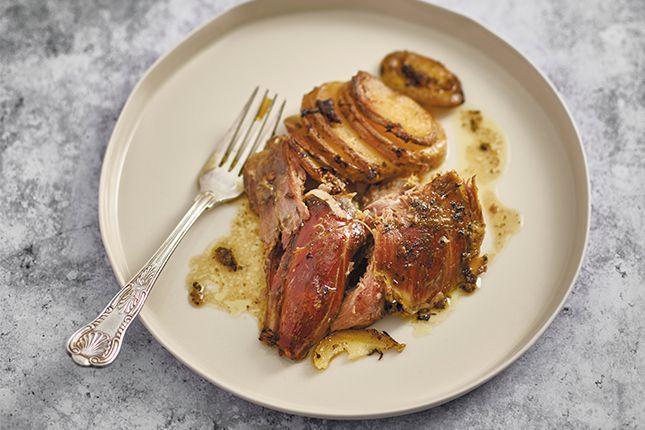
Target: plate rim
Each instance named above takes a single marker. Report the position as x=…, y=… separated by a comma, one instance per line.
x=114, y=157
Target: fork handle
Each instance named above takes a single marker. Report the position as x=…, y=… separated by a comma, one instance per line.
x=98, y=343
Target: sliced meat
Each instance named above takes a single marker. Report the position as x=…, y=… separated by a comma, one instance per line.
x=365, y=304
x=307, y=289
x=274, y=183
x=389, y=190
x=428, y=241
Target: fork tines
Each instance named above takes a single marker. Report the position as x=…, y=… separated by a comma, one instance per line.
x=256, y=123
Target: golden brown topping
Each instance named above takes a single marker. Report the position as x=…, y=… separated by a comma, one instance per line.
x=423, y=79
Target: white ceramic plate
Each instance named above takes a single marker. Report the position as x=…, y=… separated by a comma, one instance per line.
x=186, y=100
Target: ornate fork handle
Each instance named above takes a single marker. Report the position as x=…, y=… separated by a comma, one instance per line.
x=98, y=343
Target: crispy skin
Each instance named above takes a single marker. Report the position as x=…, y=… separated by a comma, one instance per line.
x=320, y=109
x=307, y=289
x=428, y=241
x=397, y=113
x=406, y=155
x=421, y=78
x=274, y=183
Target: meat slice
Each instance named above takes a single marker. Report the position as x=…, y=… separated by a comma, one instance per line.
x=274, y=183
x=426, y=242
x=429, y=241
x=389, y=190
x=307, y=289
x=365, y=304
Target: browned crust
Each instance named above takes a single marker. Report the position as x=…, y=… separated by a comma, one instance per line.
x=423, y=79
x=315, y=169
x=365, y=99
x=321, y=112
x=408, y=156
x=310, y=140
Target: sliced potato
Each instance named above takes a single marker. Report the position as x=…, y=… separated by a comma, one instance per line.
x=365, y=132
x=399, y=153
x=344, y=134
x=320, y=110
x=356, y=343
x=409, y=157
x=421, y=78
x=397, y=113
x=316, y=171
x=311, y=141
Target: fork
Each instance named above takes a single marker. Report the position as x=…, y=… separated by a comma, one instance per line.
x=98, y=343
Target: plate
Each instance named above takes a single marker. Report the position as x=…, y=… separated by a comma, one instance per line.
x=186, y=100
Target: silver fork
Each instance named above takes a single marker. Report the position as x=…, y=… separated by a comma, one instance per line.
x=98, y=343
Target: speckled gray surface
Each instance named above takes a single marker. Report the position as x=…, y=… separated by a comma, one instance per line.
x=66, y=69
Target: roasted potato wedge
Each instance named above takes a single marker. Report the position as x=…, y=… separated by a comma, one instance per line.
x=421, y=78
x=320, y=110
x=408, y=156
x=356, y=343
x=397, y=113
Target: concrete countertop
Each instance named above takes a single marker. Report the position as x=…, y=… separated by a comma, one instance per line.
x=67, y=67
